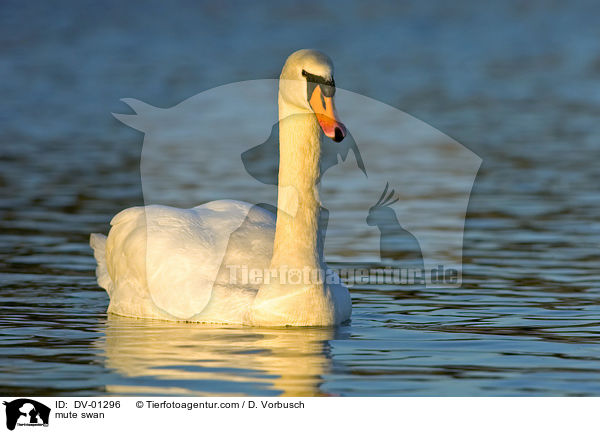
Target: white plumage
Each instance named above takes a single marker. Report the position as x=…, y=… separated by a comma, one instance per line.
x=166, y=263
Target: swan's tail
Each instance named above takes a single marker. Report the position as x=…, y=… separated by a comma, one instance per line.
x=98, y=244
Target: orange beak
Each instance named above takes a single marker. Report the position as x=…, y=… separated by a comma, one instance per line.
x=326, y=115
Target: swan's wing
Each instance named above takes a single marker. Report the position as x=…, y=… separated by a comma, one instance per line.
x=175, y=254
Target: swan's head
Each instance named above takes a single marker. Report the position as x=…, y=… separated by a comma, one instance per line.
x=306, y=85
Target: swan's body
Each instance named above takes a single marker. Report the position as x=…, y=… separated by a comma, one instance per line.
x=176, y=264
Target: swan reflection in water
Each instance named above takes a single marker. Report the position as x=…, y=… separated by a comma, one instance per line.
x=156, y=357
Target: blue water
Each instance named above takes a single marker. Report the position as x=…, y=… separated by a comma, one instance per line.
x=517, y=83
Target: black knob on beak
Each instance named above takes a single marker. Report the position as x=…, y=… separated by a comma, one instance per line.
x=339, y=135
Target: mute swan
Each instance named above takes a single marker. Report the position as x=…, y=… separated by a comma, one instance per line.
x=175, y=264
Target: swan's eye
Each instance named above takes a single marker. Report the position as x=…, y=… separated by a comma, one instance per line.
x=327, y=84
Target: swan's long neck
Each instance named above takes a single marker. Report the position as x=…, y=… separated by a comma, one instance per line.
x=297, y=293
x=297, y=241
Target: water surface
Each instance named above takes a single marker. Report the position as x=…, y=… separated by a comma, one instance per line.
x=519, y=84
